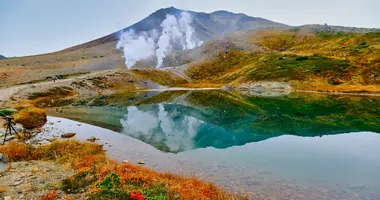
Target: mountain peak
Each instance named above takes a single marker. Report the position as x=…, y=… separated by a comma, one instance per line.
x=226, y=12
x=169, y=10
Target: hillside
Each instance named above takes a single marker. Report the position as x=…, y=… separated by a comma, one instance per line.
x=324, y=61
x=2, y=57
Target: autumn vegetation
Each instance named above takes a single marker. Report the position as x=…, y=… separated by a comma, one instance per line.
x=102, y=178
x=28, y=115
x=2, y=189
x=160, y=77
x=322, y=61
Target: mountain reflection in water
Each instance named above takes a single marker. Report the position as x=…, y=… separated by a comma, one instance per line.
x=175, y=121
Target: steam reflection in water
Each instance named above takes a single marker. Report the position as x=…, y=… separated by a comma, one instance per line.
x=174, y=130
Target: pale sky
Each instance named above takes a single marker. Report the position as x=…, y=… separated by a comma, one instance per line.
x=31, y=27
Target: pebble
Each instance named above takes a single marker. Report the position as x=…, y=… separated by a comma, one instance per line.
x=18, y=182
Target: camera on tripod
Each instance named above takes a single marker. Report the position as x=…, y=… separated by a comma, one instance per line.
x=7, y=118
x=9, y=125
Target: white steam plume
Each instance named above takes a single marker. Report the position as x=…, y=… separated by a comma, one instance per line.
x=176, y=33
x=137, y=46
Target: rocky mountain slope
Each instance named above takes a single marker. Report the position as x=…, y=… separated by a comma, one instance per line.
x=207, y=25
x=2, y=57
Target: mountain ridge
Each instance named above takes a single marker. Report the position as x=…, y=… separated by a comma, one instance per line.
x=207, y=25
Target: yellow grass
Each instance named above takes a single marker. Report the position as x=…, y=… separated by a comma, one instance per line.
x=29, y=115
x=159, y=76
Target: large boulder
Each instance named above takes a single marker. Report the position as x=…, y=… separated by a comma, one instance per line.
x=3, y=163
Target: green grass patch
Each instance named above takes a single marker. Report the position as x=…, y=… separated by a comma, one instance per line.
x=6, y=112
x=271, y=67
x=277, y=67
x=332, y=34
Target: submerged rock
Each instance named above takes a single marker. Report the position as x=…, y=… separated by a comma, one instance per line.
x=68, y=135
x=92, y=139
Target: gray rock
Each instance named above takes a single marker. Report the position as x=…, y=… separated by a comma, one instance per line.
x=3, y=163
x=227, y=87
x=3, y=159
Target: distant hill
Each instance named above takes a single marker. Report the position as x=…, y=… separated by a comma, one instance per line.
x=207, y=25
x=2, y=57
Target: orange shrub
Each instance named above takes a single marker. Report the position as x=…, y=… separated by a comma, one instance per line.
x=50, y=196
x=30, y=117
x=2, y=189
x=15, y=151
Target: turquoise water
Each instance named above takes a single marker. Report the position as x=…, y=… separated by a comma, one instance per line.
x=310, y=140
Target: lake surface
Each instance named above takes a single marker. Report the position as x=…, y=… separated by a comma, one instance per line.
x=285, y=146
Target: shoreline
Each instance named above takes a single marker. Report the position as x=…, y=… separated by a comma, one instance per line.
x=339, y=93
x=7, y=93
x=232, y=177
x=121, y=147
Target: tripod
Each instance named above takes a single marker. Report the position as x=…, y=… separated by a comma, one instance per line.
x=9, y=128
